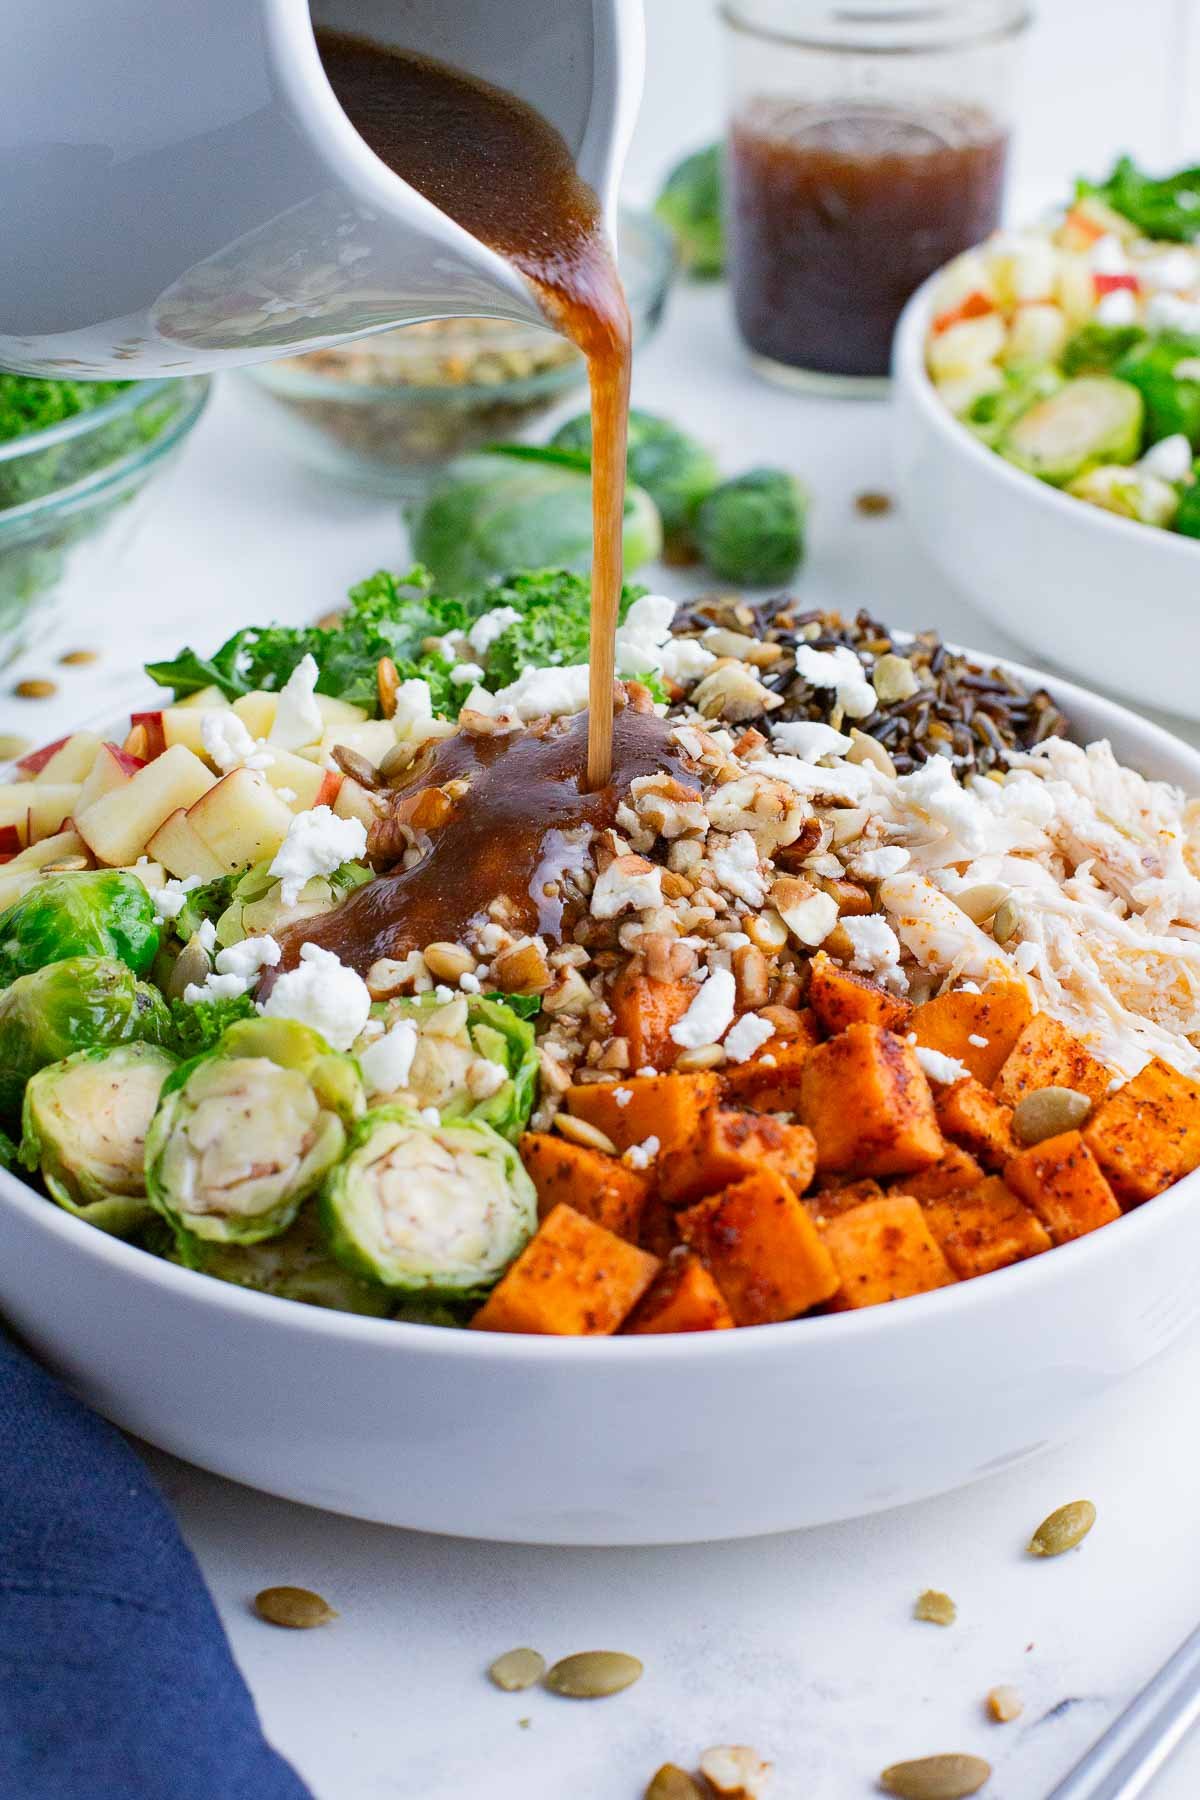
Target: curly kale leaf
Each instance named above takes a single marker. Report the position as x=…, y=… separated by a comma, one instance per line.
x=1162, y=208
x=196, y=1028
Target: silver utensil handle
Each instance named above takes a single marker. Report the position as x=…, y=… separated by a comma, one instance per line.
x=1121, y=1764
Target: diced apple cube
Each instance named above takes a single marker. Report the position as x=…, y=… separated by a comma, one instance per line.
x=241, y=819
x=356, y=802
x=205, y=698
x=111, y=768
x=181, y=850
x=183, y=725
x=119, y=825
x=257, y=712
x=71, y=760
x=49, y=849
x=152, y=875
x=37, y=808
x=308, y=782
x=372, y=739
x=338, y=712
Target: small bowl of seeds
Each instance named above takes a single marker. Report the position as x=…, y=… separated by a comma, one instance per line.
x=386, y=413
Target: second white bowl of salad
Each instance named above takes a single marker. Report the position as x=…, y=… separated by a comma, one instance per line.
x=1048, y=421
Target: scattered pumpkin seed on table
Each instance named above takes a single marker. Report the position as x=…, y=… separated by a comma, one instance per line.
x=951, y=1777
x=517, y=1669
x=1063, y=1530
x=673, y=1783
x=935, y=1608
x=593, y=1674
x=77, y=659
x=34, y=688
x=295, y=1608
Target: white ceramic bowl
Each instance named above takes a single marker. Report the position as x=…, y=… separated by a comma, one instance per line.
x=626, y=1440
x=1109, y=600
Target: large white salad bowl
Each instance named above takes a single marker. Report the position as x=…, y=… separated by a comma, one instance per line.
x=616, y=1441
x=1113, y=601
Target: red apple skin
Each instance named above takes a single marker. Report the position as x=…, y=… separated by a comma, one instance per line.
x=126, y=762
x=10, y=842
x=329, y=789
x=37, y=759
x=152, y=725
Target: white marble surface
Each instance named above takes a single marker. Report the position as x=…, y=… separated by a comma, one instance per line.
x=803, y=1645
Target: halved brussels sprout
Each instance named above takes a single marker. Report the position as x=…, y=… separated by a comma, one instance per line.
x=296, y=1266
x=72, y=1005
x=246, y=1131
x=422, y=1208
x=474, y=1059
x=251, y=901
x=84, y=1125
x=100, y=912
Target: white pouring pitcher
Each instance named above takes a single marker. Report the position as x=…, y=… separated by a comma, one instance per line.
x=181, y=191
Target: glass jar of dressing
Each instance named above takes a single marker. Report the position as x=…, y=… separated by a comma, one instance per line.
x=867, y=145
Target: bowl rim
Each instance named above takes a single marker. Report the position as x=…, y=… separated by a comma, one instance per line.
x=44, y=508
x=193, y=1287
x=913, y=379
x=294, y=378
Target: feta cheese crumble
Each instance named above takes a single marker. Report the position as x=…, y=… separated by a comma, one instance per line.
x=169, y=900
x=629, y=883
x=876, y=865
x=839, y=669
x=317, y=843
x=249, y=956
x=748, y=1035
x=387, y=1062
x=324, y=994
x=640, y=1156
x=489, y=626
x=945, y=1070
x=298, y=720
x=229, y=746
x=710, y=1014
x=810, y=740
x=1170, y=459
x=735, y=865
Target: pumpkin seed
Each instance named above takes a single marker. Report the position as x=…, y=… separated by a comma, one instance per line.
x=73, y=659
x=950, y=1777
x=517, y=1669
x=191, y=965
x=355, y=766
x=980, y=902
x=1008, y=917
x=1063, y=1530
x=673, y=1783
x=593, y=1674
x=935, y=1608
x=1047, y=1112
x=295, y=1608
x=34, y=689
x=1004, y=1704
x=872, y=504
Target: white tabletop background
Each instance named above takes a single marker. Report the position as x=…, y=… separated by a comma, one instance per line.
x=803, y=1645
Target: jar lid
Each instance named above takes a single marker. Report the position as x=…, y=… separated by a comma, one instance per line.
x=880, y=27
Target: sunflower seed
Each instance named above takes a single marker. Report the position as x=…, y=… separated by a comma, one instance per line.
x=950, y=1777
x=295, y=1608
x=1047, y=1112
x=517, y=1669
x=593, y=1674
x=1063, y=1530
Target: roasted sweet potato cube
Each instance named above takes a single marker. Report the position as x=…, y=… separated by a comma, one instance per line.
x=573, y=1279
x=839, y=997
x=971, y=1115
x=1048, y=1055
x=730, y=1145
x=1147, y=1134
x=834, y=1200
x=950, y=1022
x=1064, y=1184
x=770, y=1081
x=666, y=1107
x=645, y=1010
x=598, y=1186
x=985, y=1227
x=954, y=1170
x=659, y=1232
x=883, y=1250
x=682, y=1297
x=867, y=1103
x=764, y=1252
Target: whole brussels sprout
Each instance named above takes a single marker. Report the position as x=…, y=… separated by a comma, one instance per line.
x=296, y=1266
x=434, y=1209
x=245, y=1132
x=72, y=1005
x=689, y=204
x=472, y=1057
x=103, y=912
x=675, y=470
x=84, y=1125
x=500, y=511
x=751, y=529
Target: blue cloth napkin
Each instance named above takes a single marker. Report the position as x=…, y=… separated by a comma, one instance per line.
x=116, y=1681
